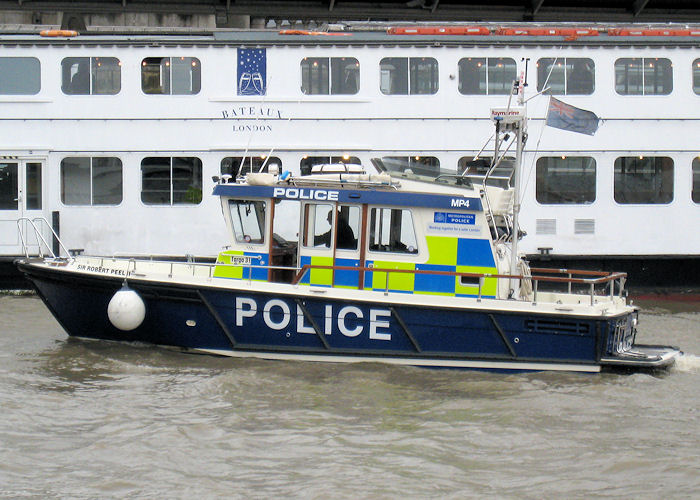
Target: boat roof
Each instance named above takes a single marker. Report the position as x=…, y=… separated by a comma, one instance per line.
x=354, y=189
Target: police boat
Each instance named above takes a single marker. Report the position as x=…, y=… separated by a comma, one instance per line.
x=404, y=265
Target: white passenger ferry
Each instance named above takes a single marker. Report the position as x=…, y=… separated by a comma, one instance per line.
x=113, y=138
x=344, y=265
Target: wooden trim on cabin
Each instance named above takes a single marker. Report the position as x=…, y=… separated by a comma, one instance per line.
x=362, y=241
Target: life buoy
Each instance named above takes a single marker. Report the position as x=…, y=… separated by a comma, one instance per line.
x=58, y=33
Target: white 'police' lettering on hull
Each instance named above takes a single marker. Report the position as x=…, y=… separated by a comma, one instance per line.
x=305, y=194
x=378, y=318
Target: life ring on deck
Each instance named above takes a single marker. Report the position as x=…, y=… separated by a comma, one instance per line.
x=58, y=33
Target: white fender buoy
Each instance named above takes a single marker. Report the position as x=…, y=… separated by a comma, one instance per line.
x=126, y=309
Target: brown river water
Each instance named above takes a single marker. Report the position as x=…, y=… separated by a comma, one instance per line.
x=90, y=419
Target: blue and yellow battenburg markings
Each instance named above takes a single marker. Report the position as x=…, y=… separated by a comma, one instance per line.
x=462, y=255
x=468, y=255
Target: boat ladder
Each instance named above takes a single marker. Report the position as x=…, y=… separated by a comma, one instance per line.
x=36, y=228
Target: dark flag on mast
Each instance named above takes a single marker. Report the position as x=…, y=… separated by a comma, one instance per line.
x=567, y=117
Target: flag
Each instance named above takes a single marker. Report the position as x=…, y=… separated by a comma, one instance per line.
x=252, y=71
x=566, y=117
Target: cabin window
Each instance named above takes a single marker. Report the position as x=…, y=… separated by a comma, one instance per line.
x=238, y=166
x=335, y=75
x=391, y=230
x=566, y=75
x=309, y=162
x=696, y=76
x=643, y=180
x=643, y=76
x=565, y=180
x=348, y=225
x=418, y=165
x=248, y=218
x=91, y=75
x=696, y=179
x=404, y=75
x=322, y=221
x=318, y=225
x=171, y=75
x=486, y=76
x=171, y=181
x=20, y=76
x=91, y=181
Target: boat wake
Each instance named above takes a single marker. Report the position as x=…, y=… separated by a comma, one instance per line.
x=687, y=363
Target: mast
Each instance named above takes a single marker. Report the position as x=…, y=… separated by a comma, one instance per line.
x=520, y=126
x=513, y=119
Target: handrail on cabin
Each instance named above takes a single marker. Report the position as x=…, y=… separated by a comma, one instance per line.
x=603, y=277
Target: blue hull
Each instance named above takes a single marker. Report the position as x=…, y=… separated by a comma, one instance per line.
x=249, y=323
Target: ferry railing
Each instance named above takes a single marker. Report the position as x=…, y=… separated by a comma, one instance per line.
x=39, y=235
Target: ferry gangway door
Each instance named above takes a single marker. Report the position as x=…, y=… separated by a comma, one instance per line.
x=21, y=199
x=331, y=235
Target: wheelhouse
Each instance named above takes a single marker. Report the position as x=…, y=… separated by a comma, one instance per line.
x=359, y=231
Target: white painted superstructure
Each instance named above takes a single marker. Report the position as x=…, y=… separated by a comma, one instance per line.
x=50, y=127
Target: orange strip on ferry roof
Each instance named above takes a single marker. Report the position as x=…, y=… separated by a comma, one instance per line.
x=652, y=32
x=57, y=33
x=313, y=33
x=568, y=32
x=439, y=30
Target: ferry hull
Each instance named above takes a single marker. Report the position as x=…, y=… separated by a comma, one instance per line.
x=296, y=326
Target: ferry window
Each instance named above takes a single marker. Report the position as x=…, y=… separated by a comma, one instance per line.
x=91, y=75
x=343, y=77
x=9, y=186
x=482, y=76
x=696, y=76
x=643, y=76
x=308, y=162
x=696, y=179
x=33, y=186
x=238, y=166
x=20, y=76
x=248, y=219
x=643, y=179
x=391, y=230
x=565, y=180
x=403, y=75
x=171, y=181
x=171, y=75
x=419, y=165
x=91, y=181
x=566, y=75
